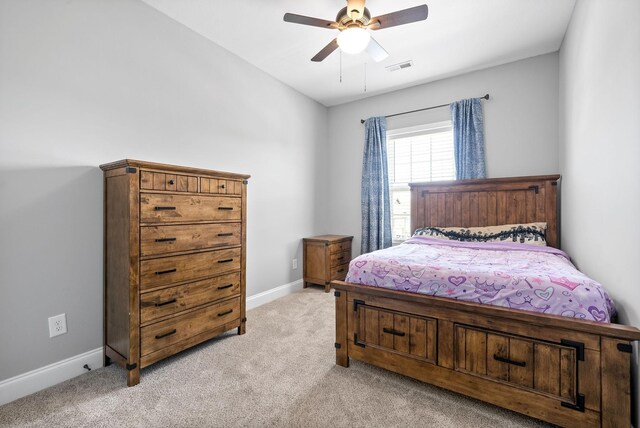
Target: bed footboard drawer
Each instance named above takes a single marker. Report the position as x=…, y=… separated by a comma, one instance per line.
x=547, y=368
x=402, y=333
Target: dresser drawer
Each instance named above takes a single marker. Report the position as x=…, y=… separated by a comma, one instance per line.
x=159, y=208
x=337, y=247
x=168, y=301
x=188, y=267
x=339, y=272
x=156, y=240
x=220, y=186
x=340, y=258
x=166, y=333
x=166, y=181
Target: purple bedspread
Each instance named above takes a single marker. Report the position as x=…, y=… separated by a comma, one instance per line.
x=519, y=276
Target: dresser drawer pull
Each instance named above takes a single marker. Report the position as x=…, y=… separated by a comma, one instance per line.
x=162, y=272
x=169, y=333
x=164, y=208
x=172, y=182
x=394, y=332
x=508, y=361
x=225, y=208
x=221, y=314
x=222, y=287
x=225, y=261
x=225, y=234
x=222, y=186
x=168, y=302
x=165, y=239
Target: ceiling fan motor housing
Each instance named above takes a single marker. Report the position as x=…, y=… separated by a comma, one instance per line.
x=344, y=19
x=355, y=9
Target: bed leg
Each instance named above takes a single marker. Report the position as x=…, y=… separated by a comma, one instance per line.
x=342, y=348
x=327, y=287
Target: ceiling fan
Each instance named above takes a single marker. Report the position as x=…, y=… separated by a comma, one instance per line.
x=353, y=22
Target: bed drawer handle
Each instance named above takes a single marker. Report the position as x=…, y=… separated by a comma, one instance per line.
x=341, y=270
x=221, y=314
x=165, y=239
x=169, y=333
x=168, y=302
x=225, y=234
x=394, y=332
x=162, y=272
x=222, y=287
x=164, y=208
x=341, y=258
x=225, y=261
x=508, y=361
x=225, y=208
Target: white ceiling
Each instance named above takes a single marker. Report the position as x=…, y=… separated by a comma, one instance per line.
x=458, y=36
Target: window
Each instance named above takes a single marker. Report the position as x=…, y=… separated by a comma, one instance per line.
x=416, y=154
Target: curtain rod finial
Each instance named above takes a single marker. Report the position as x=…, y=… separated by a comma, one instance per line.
x=486, y=97
x=361, y=120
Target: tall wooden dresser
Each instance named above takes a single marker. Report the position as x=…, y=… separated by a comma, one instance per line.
x=174, y=260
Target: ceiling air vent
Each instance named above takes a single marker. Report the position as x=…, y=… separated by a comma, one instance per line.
x=400, y=66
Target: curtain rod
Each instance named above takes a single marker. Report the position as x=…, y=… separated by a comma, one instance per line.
x=486, y=97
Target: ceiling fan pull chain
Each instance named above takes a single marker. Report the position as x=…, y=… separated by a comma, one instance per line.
x=340, y=65
x=365, y=76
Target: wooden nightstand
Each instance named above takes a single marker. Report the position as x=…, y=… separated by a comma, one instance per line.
x=326, y=257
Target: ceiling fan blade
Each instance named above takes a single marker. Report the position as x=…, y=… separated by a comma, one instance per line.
x=401, y=17
x=326, y=51
x=308, y=20
x=375, y=51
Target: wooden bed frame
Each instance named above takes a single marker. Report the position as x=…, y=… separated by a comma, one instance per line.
x=561, y=370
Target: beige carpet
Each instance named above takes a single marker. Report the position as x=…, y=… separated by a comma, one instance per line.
x=281, y=373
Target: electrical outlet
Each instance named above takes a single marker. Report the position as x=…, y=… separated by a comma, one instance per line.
x=294, y=264
x=57, y=325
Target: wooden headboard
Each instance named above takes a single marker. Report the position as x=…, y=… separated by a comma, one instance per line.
x=488, y=202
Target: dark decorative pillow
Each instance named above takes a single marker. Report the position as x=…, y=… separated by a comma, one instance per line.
x=531, y=233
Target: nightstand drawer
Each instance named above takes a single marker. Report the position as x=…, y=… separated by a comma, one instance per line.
x=339, y=272
x=340, y=258
x=337, y=247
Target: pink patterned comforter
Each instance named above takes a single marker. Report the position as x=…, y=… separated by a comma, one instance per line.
x=519, y=276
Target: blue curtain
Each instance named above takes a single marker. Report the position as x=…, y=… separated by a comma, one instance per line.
x=468, y=138
x=376, y=206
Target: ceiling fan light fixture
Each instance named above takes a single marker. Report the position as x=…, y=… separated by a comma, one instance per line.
x=353, y=40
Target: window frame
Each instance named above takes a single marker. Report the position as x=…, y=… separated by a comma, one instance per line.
x=425, y=129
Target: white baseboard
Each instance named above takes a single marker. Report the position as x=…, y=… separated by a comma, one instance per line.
x=44, y=377
x=273, y=294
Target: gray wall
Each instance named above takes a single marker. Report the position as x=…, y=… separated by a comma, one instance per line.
x=88, y=82
x=600, y=148
x=521, y=127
